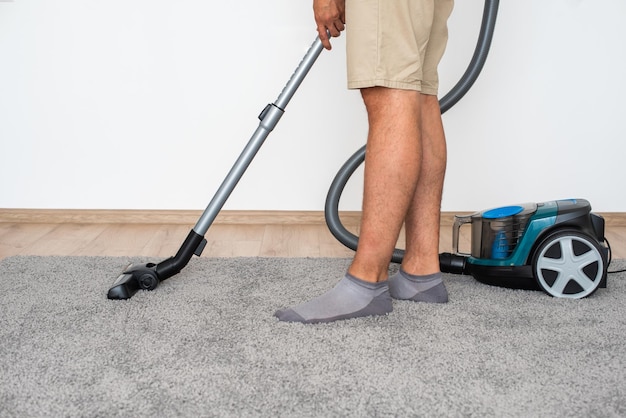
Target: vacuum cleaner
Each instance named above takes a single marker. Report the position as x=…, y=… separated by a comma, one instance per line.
x=556, y=246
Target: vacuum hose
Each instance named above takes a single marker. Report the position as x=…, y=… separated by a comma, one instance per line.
x=479, y=58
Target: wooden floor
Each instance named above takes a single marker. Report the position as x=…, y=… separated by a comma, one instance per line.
x=159, y=241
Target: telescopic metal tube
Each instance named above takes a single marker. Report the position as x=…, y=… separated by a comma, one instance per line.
x=269, y=118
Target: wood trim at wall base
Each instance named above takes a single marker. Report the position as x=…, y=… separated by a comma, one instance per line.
x=227, y=217
x=169, y=217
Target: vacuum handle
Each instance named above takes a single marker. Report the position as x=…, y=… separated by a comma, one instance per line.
x=458, y=222
x=299, y=74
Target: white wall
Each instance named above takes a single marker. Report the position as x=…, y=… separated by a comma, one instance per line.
x=145, y=104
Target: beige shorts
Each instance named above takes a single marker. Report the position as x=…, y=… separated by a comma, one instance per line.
x=396, y=43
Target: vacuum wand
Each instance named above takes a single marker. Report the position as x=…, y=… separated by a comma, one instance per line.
x=269, y=119
x=147, y=276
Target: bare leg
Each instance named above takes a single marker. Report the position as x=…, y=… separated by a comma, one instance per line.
x=423, y=218
x=419, y=278
x=392, y=166
x=393, y=163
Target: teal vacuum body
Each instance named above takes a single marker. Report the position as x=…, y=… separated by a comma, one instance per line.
x=557, y=246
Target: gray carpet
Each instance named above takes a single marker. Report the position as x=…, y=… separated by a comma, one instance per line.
x=205, y=344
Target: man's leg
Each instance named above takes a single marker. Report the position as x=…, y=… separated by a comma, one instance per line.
x=419, y=278
x=423, y=218
x=393, y=162
x=392, y=166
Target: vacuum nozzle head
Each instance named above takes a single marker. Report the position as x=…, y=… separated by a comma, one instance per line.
x=133, y=278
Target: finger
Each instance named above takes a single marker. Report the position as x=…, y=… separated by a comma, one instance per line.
x=340, y=25
x=334, y=31
x=323, y=35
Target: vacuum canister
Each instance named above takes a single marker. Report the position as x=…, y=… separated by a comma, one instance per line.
x=495, y=232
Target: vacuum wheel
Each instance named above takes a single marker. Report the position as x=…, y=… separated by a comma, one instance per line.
x=569, y=264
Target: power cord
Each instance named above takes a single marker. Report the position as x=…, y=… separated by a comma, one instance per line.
x=608, y=244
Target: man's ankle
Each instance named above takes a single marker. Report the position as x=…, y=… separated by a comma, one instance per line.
x=368, y=274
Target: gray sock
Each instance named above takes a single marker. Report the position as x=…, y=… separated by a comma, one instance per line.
x=350, y=298
x=428, y=288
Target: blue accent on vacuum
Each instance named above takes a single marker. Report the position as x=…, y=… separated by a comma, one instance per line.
x=502, y=212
